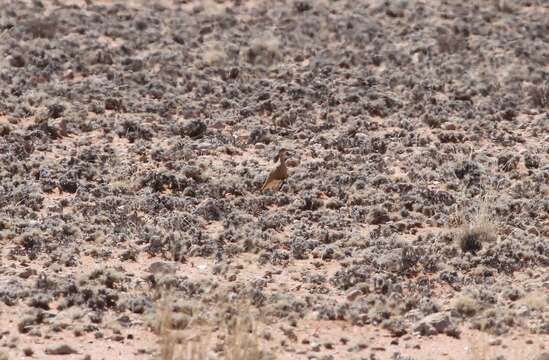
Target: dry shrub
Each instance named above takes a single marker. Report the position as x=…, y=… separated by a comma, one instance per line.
x=539, y=95
x=479, y=229
x=213, y=8
x=174, y=345
x=264, y=50
x=194, y=338
x=41, y=27
x=504, y=6
x=214, y=53
x=466, y=305
x=537, y=300
x=241, y=341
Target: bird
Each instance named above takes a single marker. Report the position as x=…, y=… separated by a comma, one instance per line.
x=278, y=176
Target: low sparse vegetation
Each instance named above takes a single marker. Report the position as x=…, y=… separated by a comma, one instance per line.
x=477, y=229
x=135, y=137
x=226, y=331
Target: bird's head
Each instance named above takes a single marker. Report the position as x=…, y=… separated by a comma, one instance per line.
x=282, y=154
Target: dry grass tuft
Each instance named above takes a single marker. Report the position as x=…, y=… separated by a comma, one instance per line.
x=264, y=49
x=213, y=8
x=214, y=53
x=466, y=305
x=537, y=300
x=479, y=229
x=174, y=345
x=539, y=95
x=195, y=338
x=241, y=341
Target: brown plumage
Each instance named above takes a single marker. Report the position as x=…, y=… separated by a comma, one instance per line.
x=278, y=176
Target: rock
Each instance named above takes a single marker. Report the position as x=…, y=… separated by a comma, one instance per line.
x=60, y=349
x=434, y=324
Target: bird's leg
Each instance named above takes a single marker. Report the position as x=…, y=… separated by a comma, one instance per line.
x=282, y=184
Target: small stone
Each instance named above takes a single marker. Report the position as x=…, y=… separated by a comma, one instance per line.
x=60, y=349
x=28, y=351
x=494, y=342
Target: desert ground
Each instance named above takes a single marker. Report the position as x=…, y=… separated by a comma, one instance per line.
x=135, y=137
